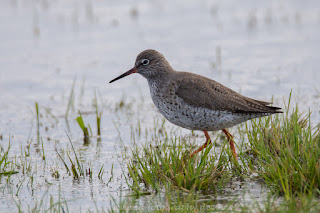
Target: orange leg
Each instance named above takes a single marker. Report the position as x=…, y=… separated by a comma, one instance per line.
x=208, y=141
x=230, y=139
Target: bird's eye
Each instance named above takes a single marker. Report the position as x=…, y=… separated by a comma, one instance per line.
x=145, y=62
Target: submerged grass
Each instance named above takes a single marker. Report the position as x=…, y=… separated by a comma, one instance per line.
x=286, y=152
x=70, y=102
x=71, y=97
x=77, y=168
x=47, y=203
x=302, y=204
x=98, y=114
x=6, y=165
x=174, y=201
x=38, y=121
x=85, y=130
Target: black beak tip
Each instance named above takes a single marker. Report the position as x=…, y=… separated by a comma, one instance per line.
x=133, y=70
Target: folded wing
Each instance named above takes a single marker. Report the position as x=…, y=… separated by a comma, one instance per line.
x=203, y=92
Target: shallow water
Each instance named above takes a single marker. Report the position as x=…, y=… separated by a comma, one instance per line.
x=261, y=49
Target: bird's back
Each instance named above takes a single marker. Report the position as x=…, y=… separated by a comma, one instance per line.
x=199, y=103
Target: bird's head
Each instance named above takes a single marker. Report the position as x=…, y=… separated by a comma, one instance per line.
x=150, y=64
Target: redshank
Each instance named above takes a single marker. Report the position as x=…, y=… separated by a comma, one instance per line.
x=193, y=101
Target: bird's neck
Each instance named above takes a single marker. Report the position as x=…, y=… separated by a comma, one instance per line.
x=155, y=83
x=158, y=79
x=161, y=79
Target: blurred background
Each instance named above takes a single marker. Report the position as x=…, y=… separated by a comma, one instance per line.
x=263, y=49
x=259, y=48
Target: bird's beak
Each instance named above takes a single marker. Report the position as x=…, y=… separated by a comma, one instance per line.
x=133, y=70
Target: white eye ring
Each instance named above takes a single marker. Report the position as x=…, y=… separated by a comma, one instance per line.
x=145, y=62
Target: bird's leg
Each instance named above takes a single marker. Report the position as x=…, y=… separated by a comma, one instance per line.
x=208, y=141
x=230, y=139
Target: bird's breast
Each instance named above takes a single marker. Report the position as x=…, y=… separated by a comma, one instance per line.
x=174, y=109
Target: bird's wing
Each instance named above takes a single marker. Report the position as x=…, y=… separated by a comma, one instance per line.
x=203, y=92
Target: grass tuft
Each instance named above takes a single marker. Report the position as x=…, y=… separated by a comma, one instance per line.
x=286, y=152
x=169, y=163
